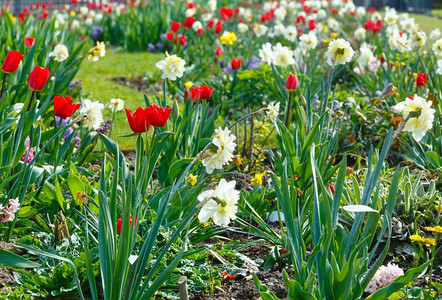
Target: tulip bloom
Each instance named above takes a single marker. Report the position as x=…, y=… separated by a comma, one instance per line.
x=189, y=22
x=12, y=61
x=236, y=63
x=421, y=79
x=196, y=94
x=120, y=221
x=175, y=26
x=63, y=107
x=157, y=116
x=38, y=78
x=138, y=121
x=206, y=92
x=292, y=83
x=29, y=42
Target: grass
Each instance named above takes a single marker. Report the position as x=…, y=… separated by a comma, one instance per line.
x=96, y=78
x=427, y=23
x=437, y=12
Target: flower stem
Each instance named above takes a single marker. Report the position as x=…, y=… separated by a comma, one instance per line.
x=287, y=117
x=30, y=101
x=3, y=85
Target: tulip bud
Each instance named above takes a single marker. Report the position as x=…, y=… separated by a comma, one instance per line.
x=236, y=63
x=29, y=42
x=218, y=52
x=292, y=83
x=12, y=61
x=38, y=78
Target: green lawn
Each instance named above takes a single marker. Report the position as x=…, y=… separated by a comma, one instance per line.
x=96, y=78
x=427, y=23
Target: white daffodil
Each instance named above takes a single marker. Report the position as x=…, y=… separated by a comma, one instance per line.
x=419, y=115
x=339, y=52
x=220, y=203
x=365, y=56
x=60, y=53
x=360, y=33
x=437, y=47
x=266, y=53
x=222, y=153
x=308, y=41
x=172, y=67
x=439, y=67
x=282, y=56
x=273, y=110
x=116, y=104
x=291, y=33
x=93, y=114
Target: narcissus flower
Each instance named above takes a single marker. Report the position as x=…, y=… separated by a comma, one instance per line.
x=220, y=203
x=29, y=42
x=339, y=52
x=421, y=115
x=137, y=121
x=291, y=83
x=257, y=179
x=63, y=107
x=93, y=114
x=116, y=104
x=38, y=78
x=120, y=221
x=60, y=53
x=12, y=61
x=272, y=110
x=192, y=179
x=172, y=67
x=157, y=116
x=282, y=56
x=222, y=152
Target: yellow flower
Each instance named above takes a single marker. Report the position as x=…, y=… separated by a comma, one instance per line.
x=192, y=179
x=160, y=94
x=436, y=206
x=72, y=13
x=435, y=229
x=417, y=238
x=415, y=76
x=257, y=180
x=238, y=160
x=188, y=84
x=325, y=29
x=13, y=19
x=327, y=41
x=228, y=38
x=334, y=35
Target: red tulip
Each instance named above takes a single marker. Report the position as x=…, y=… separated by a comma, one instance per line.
x=312, y=25
x=38, y=78
x=175, y=26
x=12, y=61
x=421, y=79
x=157, y=116
x=169, y=35
x=29, y=42
x=236, y=63
x=210, y=24
x=196, y=94
x=218, y=52
x=120, y=220
x=200, y=31
x=138, y=121
x=218, y=29
x=188, y=22
x=206, y=92
x=63, y=107
x=284, y=251
x=292, y=83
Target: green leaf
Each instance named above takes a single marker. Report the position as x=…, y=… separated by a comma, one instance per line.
x=11, y=260
x=59, y=196
x=263, y=290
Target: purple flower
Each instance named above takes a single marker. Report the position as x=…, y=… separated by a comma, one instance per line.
x=96, y=32
x=151, y=47
x=159, y=46
x=254, y=63
x=77, y=140
x=222, y=63
x=74, y=84
x=63, y=121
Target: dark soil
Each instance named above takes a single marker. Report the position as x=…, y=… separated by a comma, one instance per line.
x=6, y=275
x=138, y=83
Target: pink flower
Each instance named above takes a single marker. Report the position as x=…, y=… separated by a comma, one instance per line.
x=7, y=213
x=31, y=151
x=383, y=277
